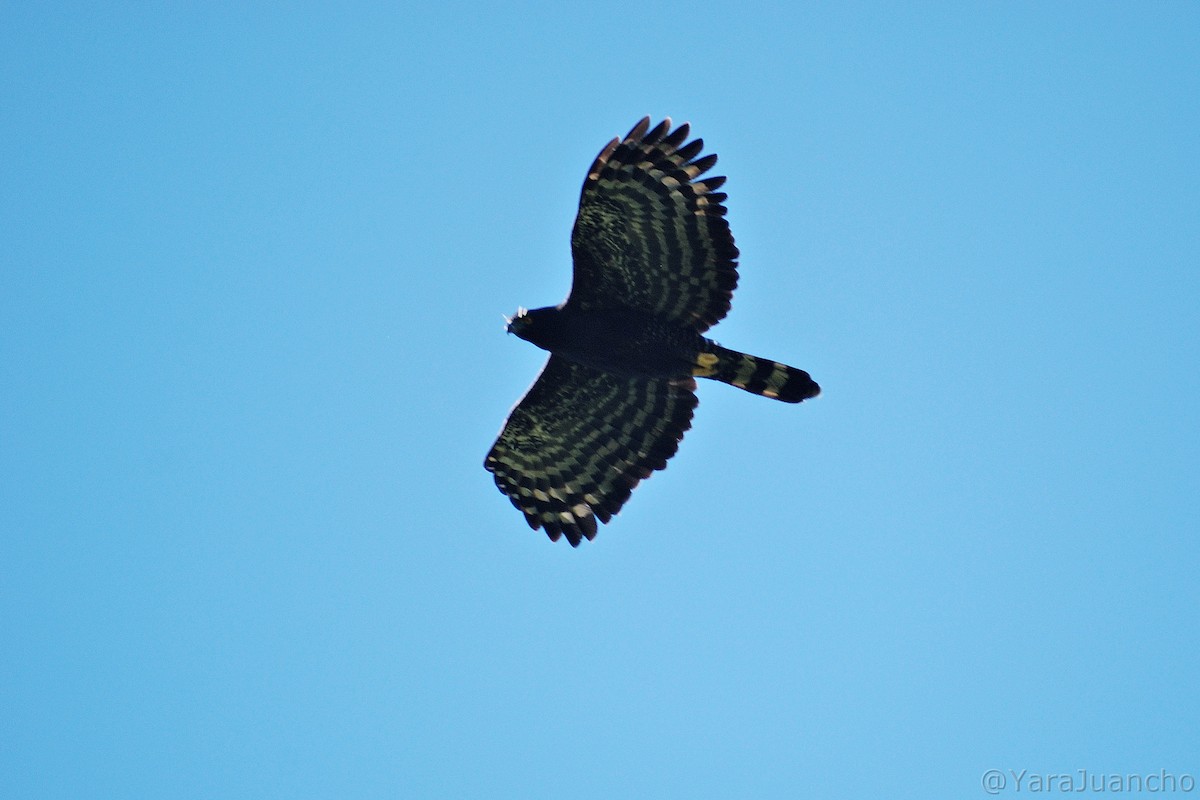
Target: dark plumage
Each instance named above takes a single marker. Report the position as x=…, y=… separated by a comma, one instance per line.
x=654, y=268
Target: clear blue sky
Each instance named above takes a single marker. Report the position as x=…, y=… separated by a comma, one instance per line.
x=254, y=261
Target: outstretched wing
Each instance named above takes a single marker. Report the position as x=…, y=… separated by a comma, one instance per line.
x=580, y=440
x=649, y=236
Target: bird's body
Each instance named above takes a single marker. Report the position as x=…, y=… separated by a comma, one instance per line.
x=624, y=342
x=654, y=269
x=634, y=344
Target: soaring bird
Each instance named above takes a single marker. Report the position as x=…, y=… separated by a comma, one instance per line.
x=654, y=267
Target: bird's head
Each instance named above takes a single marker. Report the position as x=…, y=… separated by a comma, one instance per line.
x=518, y=323
x=542, y=326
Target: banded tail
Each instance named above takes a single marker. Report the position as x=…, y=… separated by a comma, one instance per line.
x=755, y=375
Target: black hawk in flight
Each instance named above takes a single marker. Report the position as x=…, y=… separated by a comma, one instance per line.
x=655, y=267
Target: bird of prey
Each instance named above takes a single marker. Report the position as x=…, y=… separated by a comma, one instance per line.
x=654, y=267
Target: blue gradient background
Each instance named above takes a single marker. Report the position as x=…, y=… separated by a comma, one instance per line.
x=254, y=261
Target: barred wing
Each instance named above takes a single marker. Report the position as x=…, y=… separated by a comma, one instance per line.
x=579, y=441
x=649, y=236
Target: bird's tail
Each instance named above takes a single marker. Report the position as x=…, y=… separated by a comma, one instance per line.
x=754, y=374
